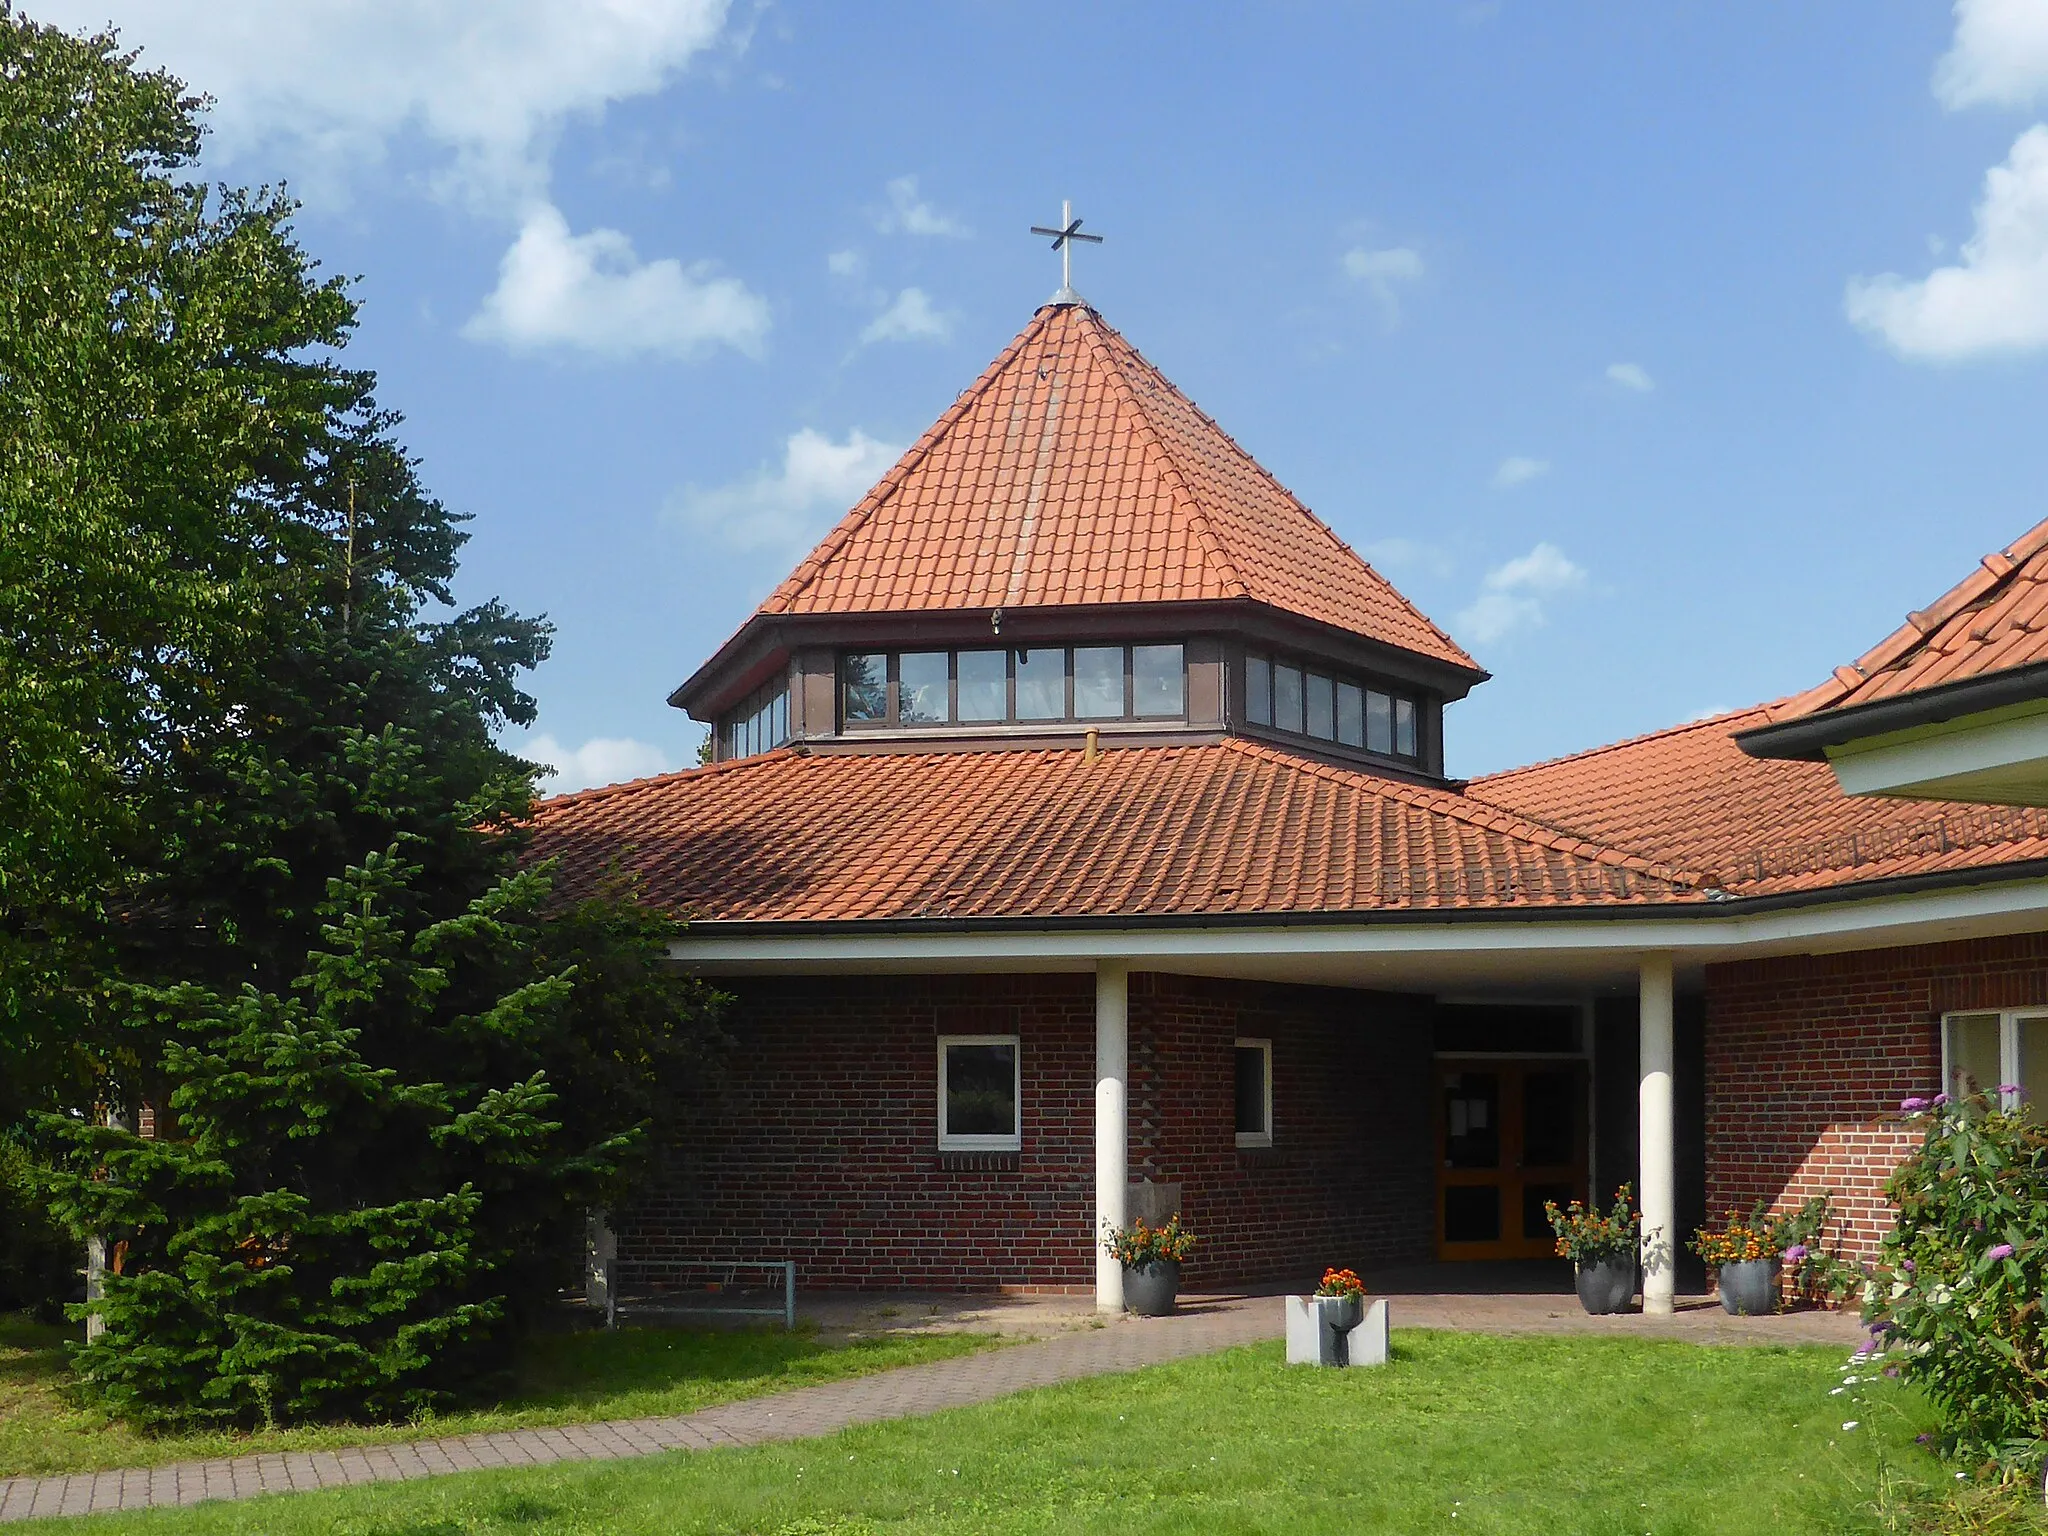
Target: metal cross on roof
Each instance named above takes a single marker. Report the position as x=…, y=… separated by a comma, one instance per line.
x=1063, y=240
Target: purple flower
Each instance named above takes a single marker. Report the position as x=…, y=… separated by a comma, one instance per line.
x=1796, y=1252
x=2002, y=1251
x=2009, y=1088
x=1941, y=1098
x=1906, y=1265
x=1923, y=1439
x=1909, y=1105
x=1892, y=1371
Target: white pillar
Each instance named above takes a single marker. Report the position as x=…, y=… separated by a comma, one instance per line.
x=1656, y=1171
x=1112, y=1121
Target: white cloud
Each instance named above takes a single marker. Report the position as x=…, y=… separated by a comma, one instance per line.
x=909, y=214
x=1512, y=596
x=1999, y=57
x=1516, y=470
x=591, y=293
x=909, y=318
x=1996, y=298
x=331, y=84
x=846, y=264
x=1396, y=555
x=1381, y=270
x=1631, y=376
x=600, y=760
x=818, y=480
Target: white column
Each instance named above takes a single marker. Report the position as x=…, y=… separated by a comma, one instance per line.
x=1112, y=1121
x=1656, y=1162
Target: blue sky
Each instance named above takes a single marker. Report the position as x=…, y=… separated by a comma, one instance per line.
x=1666, y=355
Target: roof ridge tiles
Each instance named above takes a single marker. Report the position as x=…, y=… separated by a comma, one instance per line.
x=1182, y=493
x=1720, y=718
x=1259, y=467
x=1486, y=815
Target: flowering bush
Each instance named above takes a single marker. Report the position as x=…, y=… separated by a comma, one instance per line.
x=1587, y=1235
x=1340, y=1282
x=1138, y=1245
x=1962, y=1274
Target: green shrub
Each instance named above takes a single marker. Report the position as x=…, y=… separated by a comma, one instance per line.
x=39, y=1263
x=1961, y=1277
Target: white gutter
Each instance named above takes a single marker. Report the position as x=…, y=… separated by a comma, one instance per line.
x=1869, y=923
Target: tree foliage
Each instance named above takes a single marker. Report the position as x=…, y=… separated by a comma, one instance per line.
x=261, y=868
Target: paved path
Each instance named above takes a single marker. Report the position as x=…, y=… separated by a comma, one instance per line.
x=1205, y=1325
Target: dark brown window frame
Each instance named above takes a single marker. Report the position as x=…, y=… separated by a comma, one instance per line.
x=892, y=718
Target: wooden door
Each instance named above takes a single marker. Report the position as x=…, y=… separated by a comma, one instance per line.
x=1510, y=1135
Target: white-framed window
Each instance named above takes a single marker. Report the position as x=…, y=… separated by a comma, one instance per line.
x=1986, y=1051
x=1254, y=1093
x=981, y=1097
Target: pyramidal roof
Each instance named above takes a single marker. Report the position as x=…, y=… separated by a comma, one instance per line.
x=1072, y=472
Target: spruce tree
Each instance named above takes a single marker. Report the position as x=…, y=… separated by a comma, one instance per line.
x=345, y=1069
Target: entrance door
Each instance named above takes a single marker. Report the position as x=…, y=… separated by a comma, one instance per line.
x=1510, y=1135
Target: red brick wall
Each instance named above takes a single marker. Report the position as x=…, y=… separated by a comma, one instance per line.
x=822, y=1145
x=1809, y=1056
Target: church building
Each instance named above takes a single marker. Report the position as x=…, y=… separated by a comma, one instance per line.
x=1079, y=845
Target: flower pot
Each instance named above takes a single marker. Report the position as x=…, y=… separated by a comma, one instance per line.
x=1342, y=1313
x=1607, y=1285
x=1749, y=1288
x=1149, y=1289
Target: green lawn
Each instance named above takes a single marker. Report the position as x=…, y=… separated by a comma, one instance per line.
x=1462, y=1433
x=559, y=1379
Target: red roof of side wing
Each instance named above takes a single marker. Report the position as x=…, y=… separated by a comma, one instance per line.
x=1073, y=473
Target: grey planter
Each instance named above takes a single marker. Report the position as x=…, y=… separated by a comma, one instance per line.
x=1607, y=1285
x=1149, y=1289
x=1342, y=1313
x=1750, y=1288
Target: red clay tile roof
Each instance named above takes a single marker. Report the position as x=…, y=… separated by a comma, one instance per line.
x=1072, y=472
x=1230, y=826
x=1995, y=618
x=1691, y=797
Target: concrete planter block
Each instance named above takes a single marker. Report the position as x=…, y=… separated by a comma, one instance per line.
x=1317, y=1332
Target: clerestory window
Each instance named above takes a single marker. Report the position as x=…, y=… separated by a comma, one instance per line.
x=1012, y=686
x=1324, y=706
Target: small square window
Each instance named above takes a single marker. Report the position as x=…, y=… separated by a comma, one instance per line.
x=1258, y=690
x=980, y=1093
x=1255, y=1093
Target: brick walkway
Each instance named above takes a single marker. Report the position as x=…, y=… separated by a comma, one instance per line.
x=1205, y=1325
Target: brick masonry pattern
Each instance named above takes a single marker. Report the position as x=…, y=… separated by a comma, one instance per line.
x=1809, y=1056
x=822, y=1147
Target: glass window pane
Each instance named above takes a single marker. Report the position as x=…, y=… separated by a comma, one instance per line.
x=779, y=721
x=865, y=680
x=1379, y=723
x=921, y=688
x=2033, y=1078
x=1042, y=685
x=1472, y=1213
x=1158, y=679
x=1258, y=690
x=1098, y=682
x=1973, y=1054
x=1322, y=707
x=1404, y=727
x=1251, y=1091
x=981, y=1090
x=1472, y=1120
x=983, y=675
x=1351, y=714
x=1287, y=698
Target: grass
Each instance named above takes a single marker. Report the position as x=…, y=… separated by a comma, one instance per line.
x=1461, y=1433
x=558, y=1379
